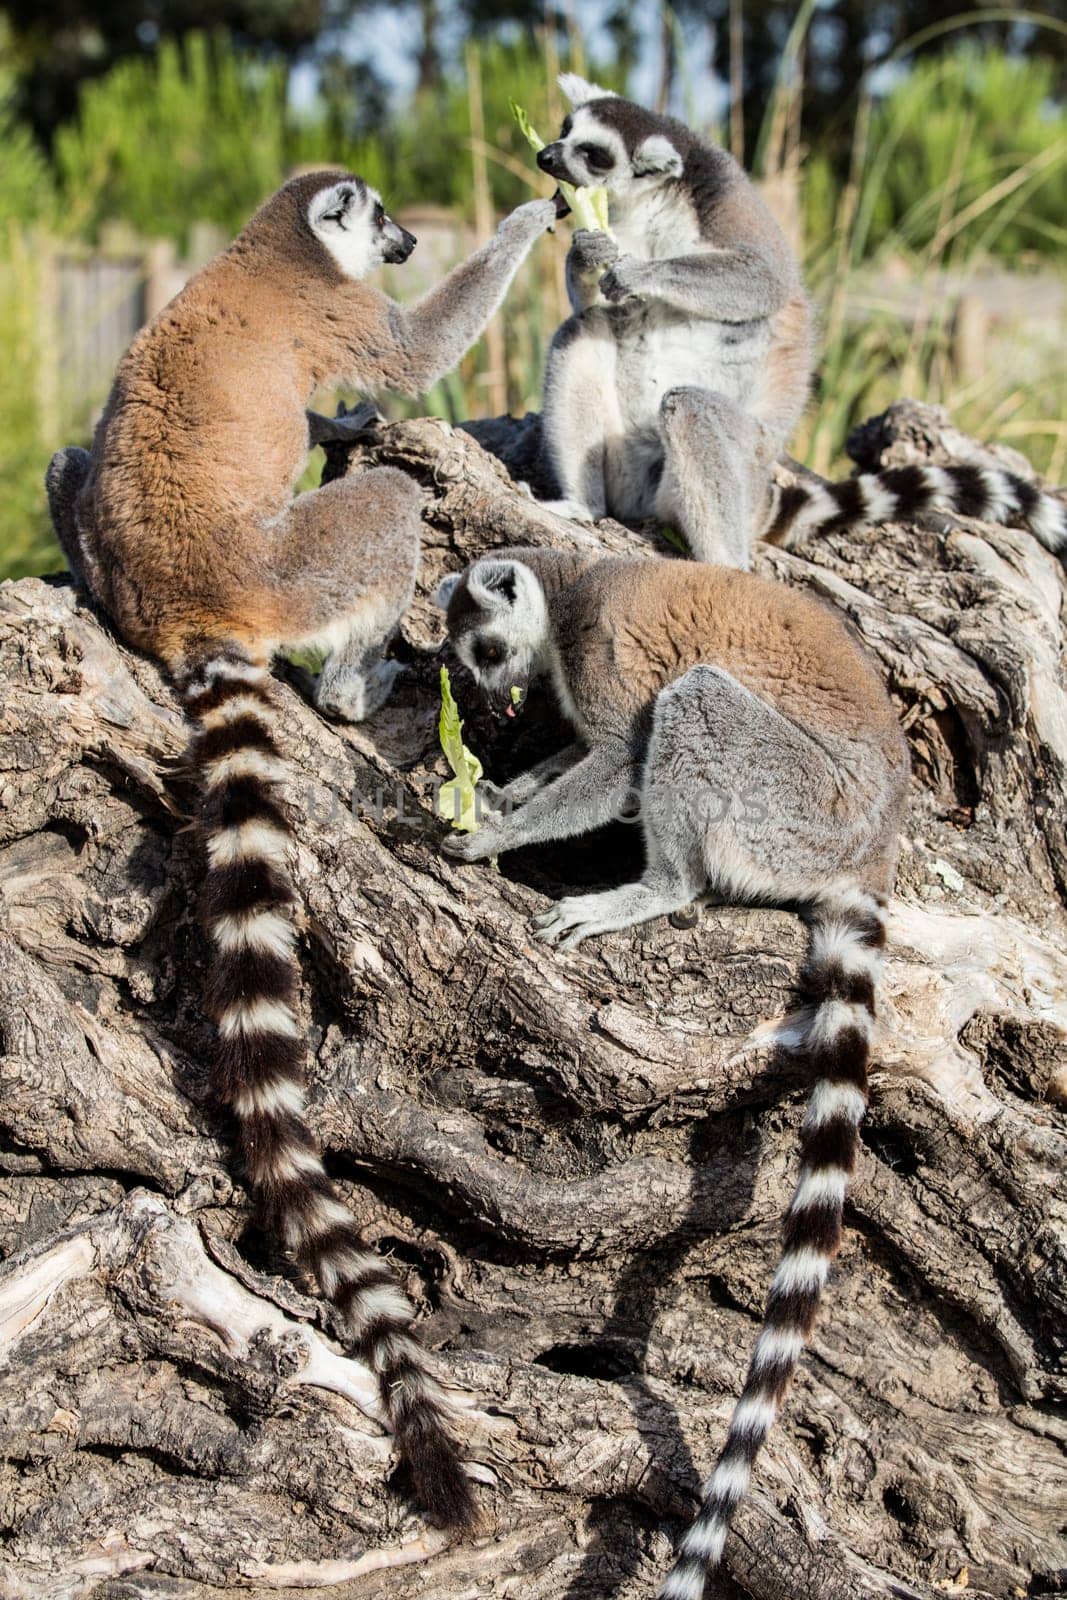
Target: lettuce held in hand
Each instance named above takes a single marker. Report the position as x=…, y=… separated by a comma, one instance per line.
x=456, y=799
x=590, y=206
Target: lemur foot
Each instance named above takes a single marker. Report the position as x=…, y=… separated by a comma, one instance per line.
x=569, y=510
x=346, y=427
x=582, y=916
x=355, y=696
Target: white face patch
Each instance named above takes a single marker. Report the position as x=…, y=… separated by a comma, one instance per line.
x=508, y=588
x=340, y=219
x=594, y=154
x=505, y=646
x=350, y=221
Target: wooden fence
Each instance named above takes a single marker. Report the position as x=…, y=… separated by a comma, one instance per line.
x=93, y=301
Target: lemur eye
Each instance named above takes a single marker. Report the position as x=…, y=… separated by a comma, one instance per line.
x=596, y=157
x=490, y=654
x=379, y=216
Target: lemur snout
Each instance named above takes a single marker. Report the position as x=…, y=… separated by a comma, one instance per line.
x=507, y=701
x=401, y=248
x=548, y=159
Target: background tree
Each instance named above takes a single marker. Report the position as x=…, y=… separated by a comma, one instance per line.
x=846, y=39
x=58, y=45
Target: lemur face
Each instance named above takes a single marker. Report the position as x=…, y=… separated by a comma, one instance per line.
x=498, y=625
x=610, y=143
x=350, y=221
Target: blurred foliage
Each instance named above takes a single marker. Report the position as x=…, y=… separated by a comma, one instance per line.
x=195, y=132
x=58, y=46
x=848, y=39
x=201, y=132
x=27, y=199
x=26, y=540
x=951, y=133
x=27, y=190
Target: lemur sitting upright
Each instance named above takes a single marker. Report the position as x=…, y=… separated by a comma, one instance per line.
x=769, y=765
x=182, y=524
x=674, y=386
x=685, y=367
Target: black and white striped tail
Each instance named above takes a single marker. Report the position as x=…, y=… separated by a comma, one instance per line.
x=848, y=934
x=901, y=493
x=247, y=905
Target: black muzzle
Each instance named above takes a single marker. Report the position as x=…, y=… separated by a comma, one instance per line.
x=399, y=249
x=550, y=160
x=504, y=705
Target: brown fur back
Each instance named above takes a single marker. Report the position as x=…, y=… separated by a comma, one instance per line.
x=204, y=434
x=656, y=619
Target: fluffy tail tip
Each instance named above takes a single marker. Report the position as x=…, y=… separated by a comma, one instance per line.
x=441, y=1486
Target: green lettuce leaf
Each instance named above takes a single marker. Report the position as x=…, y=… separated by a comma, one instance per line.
x=456, y=798
x=589, y=206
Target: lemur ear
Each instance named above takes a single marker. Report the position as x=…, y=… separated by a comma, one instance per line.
x=656, y=156
x=446, y=589
x=493, y=584
x=579, y=90
x=330, y=206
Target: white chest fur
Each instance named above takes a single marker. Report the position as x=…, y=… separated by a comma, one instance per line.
x=660, y=348
x=656, y=225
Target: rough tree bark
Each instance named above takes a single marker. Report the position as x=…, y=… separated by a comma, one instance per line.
x=577, y=1162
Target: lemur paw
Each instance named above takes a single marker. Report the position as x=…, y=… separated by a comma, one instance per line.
x=346, y=427
x=593, y=251
x=353, y=697
x=568, y=922
x=622, y=281
x=472, y=846
x=493, y=796
x=534, y=217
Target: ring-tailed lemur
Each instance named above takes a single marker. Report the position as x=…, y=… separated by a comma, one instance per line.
x=899, y=494
x=675, y=385
x=769, y=764
x=673, y=388
x=181, y=523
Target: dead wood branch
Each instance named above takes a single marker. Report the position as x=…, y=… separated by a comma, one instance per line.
x=578, y=1162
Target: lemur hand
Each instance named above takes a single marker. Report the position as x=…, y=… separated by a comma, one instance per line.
x=488, y=841
x=592, y=251
x=530, y=219
x=623, y=280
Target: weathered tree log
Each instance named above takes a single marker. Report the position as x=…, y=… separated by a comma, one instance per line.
x=578, y=1162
